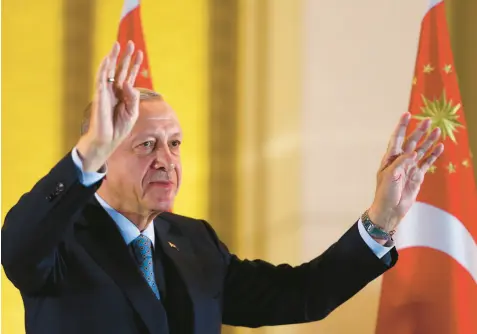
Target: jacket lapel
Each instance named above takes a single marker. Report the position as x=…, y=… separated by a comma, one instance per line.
x=102, y=240
x=179, y=249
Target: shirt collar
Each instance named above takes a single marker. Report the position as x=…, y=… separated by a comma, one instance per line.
x=128, y=230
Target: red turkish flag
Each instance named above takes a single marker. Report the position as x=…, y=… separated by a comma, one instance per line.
x=433, y=287
x=130, y=29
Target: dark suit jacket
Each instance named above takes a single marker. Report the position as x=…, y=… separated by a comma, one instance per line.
x=75, y=273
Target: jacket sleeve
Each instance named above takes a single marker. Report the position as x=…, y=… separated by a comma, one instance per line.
x=36, y=226
x=257, y=293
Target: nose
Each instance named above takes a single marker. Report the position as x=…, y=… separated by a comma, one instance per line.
x=164, y=160
x=168, y=169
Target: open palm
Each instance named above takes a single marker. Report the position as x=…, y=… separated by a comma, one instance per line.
x=116, y=103
x=402, y=171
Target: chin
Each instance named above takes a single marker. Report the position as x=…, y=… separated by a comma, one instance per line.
x=159, y=200
x=160, y=204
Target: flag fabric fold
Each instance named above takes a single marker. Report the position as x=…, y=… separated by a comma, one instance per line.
x=433, y=287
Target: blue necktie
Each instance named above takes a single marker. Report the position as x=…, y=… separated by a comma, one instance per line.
x=143, y=254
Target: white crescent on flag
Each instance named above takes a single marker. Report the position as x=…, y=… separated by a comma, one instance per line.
x=433, y=3
x=428, y=226
x=129, y=5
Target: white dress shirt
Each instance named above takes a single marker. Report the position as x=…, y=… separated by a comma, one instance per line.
x=129, y=231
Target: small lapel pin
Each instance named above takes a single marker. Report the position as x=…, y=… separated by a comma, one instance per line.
x=172, y=245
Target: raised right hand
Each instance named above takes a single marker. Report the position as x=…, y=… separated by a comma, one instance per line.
x=115, y=108
x=402, y=171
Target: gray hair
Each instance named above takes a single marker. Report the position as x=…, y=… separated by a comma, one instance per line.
x=144, y=95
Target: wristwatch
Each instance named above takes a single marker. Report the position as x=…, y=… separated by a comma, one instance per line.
x=375, y=231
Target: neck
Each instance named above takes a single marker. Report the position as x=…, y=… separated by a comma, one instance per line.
x=141, y=221
x=140, y=218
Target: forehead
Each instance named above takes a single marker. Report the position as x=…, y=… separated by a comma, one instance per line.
x=156, y=115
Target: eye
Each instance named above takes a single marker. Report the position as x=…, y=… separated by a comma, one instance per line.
x=147, y=144
x=176, y=143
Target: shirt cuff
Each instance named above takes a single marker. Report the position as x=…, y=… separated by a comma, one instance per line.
x=378, y=249
x=86, y=178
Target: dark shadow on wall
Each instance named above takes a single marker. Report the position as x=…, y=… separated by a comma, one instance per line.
x=463, y=30
x=79, y=27
x=223, y=65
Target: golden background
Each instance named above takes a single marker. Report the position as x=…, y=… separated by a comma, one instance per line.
x=233, y=72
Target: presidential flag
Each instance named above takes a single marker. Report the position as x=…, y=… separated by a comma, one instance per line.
x=433, y=287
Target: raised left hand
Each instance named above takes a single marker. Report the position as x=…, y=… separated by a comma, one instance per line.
x=402, y=172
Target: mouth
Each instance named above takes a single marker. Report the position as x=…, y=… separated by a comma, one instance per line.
x=162, y=184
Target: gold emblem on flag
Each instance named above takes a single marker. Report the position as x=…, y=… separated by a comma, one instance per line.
x=447, y=68
x=443, y=114
x=451, y=168
x=145, y=73
x=428, y=68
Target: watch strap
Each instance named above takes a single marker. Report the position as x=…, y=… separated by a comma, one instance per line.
x=376, y=231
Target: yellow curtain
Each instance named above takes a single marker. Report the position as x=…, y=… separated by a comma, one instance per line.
x=31, y=112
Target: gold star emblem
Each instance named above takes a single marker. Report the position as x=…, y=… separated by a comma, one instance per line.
x=451, y=168
x=466, y=163
x=414, y=81
x=432, y=169
x=443, y=114
x=145, y=73
x=447, y=68
x=428, y=68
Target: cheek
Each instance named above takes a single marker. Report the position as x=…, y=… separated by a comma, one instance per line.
x=178, y=175
x=128, y=170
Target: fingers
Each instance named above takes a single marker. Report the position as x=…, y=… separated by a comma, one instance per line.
x=405, y=161
x=130, y=97
x=416, y=136
x=124, y=66
x=398, y=136
x=387, y=161
x=113, y=58
x=135, y=68
x=102, y=74
x=398, y=143
x=436, y=152
x=107, y=70
x=416, y=175
x=428, y=143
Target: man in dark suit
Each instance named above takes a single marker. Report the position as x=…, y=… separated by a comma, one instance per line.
x=93, y=248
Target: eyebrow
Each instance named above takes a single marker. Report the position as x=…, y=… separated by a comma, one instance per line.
x=154, y=135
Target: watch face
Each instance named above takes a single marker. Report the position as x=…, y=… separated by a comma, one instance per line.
x=373, y=230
